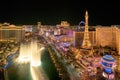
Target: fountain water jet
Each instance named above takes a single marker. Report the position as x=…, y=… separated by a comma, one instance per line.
x=35, y=54
x=31, y=53
x=35, y=68
x=24, y=54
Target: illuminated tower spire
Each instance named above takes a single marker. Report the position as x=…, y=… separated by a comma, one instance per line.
x=38, y=25
x=86, y=42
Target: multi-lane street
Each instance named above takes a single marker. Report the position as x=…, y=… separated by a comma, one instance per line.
x=73, y=68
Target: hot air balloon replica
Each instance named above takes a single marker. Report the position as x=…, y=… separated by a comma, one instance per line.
x=108, y=63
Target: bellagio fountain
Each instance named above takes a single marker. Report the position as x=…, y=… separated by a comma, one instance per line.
x=31, y=53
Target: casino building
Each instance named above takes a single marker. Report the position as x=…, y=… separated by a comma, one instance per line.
x=11, y=33
x=108, y=36
x=102, y=36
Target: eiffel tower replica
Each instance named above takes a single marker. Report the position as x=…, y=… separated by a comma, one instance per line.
x=86, y=42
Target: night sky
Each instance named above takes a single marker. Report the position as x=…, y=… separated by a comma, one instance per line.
x=53, y=12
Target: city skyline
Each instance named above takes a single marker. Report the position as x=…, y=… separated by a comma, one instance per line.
x=59, y=53
x=53, y=12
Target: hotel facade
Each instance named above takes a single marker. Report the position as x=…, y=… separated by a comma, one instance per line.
x=78, y=38
x=108, y=36
x=11, y=33
x=102, y=36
